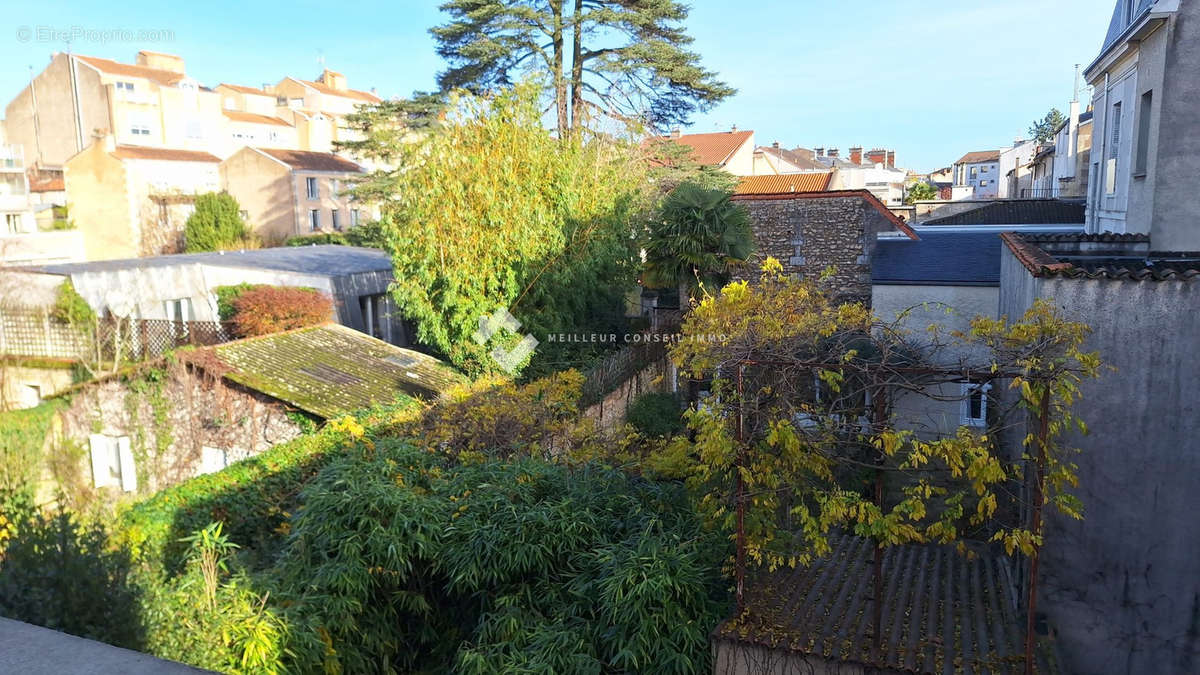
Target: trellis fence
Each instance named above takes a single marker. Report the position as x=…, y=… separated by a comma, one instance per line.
x=36, y=334
x=619, y=367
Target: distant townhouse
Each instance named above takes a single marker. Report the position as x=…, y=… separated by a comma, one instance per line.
x=1144, y=161
x=318, y=108
x=977, y=175
x=731, y=150
x=1014, y=169
x=1072, y=150
x=289, y=192
x=773, y=160
x=133, y=200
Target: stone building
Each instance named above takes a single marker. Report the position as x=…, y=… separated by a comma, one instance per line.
x=812, y=233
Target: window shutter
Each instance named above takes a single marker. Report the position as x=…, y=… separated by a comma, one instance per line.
x=126, y=465
x=104, y=460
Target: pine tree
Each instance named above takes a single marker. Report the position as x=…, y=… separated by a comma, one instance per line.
x=622, y=58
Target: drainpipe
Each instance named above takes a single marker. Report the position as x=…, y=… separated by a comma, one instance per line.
x=37, y=128
x=75, y=104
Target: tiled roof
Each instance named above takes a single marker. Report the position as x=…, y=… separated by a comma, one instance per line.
x=1117, y=26
x=50, y=185
x=941, y=611
x=865, y=195
x=979, y=156
x=163, y=154
x=246, y=90
x=167, y=78
x=253, y=118
x=787, y=182
x=793, y=157
x=1119, y=257
x=312, y=161
x=1017, y=212
x=348, y=93
x=331, y=370
x=712, y=149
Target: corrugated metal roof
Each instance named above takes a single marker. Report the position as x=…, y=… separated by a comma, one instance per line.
x=1018, y=211
x=942, y=613
x=331, y=370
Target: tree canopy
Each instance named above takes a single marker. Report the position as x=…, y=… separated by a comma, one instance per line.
x=215, y=224
x=490, y=211
x=920, y=191
x=622, y=58
x=1043, y=130
x=698, y=239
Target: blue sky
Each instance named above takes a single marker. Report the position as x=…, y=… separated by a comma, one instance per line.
x=930, y=79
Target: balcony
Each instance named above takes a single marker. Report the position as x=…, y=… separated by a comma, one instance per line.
x=12, y=158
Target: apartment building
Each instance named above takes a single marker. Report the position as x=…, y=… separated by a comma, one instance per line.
x=290, y=192
x=977, y=175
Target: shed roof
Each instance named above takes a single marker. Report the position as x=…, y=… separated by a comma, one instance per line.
x=941, y=611
x=1018, y=212
x=816, y=181
x=331, y=370
x=326, y=260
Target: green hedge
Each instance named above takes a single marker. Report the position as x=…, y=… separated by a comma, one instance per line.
x=656, y=414
x=22, y=437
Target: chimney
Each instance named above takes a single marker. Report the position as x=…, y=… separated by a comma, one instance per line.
x=833, y=152
x=856, y=155
x=877, y=156
x=266, y=87
x=333, y=80
x=775, y=145
x=160, y=61
x=676, y=132
x=733, y=130
x=891, y=159
x=819, y=152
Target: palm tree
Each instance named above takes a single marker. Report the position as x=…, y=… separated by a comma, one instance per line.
x=699, y=238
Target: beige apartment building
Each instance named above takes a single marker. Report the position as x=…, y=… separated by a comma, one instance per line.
x=129, y=201
x=284, y=193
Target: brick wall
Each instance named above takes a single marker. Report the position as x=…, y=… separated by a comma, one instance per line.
x=811, y=234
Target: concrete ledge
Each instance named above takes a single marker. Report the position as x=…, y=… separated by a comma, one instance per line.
x=32, y=650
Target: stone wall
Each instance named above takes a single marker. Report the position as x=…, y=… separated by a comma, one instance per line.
x=610, y=411
x=169, y=416
x=809, y=235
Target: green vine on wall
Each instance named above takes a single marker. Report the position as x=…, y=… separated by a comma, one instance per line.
x=150, y=387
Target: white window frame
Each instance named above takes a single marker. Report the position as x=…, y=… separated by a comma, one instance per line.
x=314, y=219
x=968, y=391
x=312, y=188
x=354, y=217
x=333, y=214
x=112, y=462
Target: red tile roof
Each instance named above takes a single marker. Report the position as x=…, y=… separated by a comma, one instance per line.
x=311, y=161
x=712, y=149
x=166, y=78
x=246, y=90
x=253, y=118
x=52, y=185
x=348, y=93
x=786, y=182
x=163, y=154
x=979, y=157
x=871, y=200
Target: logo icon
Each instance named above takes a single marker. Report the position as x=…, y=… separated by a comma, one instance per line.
x=503, y=319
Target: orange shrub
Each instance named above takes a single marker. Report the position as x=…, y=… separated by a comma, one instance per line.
x=270, y=309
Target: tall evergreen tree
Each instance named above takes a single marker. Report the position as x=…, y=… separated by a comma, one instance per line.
x=623, y=58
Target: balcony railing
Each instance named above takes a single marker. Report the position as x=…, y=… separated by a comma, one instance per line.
x=1039, y=193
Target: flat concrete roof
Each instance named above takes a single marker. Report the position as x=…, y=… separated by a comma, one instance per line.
x=326, y=259
x=33, y=650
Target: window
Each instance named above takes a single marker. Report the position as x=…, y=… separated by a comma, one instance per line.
x=124, y=88
x=244, y=214
x=139, y=129
x=1143, y=137
x=335, y=189
x=112, y=462
x=974, y=171
x=213, y=459
x=314, y=219
x=983, y=183
x=374, y=311
x=983, y=169
x=354, y=217
x=274, y=136
x=13, y=222
x=178, y=312
x=1114, y=145
x=29, y=396
x=974, y=404
x=313, y=191
x=333, y=215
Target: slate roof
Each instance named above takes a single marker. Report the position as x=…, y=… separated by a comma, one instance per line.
x=325, y=260
x=331, y=370
x=1117, y=25
x=787, y=182
x=979, y=157
x=968, y=256
x=253, y=118
x=941, y=611
x=166, y=78
x=312, y=161
x=712, y=149
x=1017, y=212
x=163, y=154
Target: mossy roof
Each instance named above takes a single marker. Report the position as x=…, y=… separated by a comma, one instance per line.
x=331, y=370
